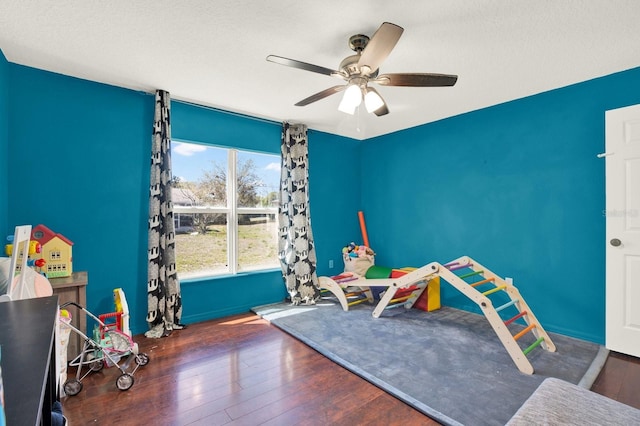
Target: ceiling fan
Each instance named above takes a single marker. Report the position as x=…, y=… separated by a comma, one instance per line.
x=362, y=68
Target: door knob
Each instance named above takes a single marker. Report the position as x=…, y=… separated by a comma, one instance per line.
x=615, y=242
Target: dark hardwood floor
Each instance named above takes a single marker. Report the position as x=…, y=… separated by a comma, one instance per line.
x=620, y=379
x=242, y=371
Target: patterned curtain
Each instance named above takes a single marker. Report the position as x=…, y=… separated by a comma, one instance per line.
x=295, y=244
x=163, y=287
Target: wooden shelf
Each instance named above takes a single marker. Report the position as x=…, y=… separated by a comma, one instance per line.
x=73, y=289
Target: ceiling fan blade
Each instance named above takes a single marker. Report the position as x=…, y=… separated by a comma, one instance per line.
x=303, y=66
x=321, y=95
x=416, y=80
x=381, y=44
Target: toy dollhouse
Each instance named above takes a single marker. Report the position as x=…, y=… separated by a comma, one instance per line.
x=56, y=252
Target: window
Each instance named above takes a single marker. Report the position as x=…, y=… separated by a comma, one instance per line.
x=225, y=206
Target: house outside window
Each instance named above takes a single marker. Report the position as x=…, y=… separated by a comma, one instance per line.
x=225, y=209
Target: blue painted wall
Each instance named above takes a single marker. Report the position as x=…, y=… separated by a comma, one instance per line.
x=4, y=144
x=516, y=186
x=87, y=148
x=83, y=152
x=335, y=196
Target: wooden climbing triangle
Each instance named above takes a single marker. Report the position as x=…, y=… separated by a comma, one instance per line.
x=459, y=273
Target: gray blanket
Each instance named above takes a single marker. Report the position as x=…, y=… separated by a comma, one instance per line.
x=557, y=402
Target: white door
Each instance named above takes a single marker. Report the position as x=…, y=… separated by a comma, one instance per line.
x=623, y=230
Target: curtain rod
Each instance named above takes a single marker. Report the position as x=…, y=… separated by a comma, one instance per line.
x=235, y=114
x=223, y=111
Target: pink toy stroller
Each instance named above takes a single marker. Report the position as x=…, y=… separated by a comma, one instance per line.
x=107, y=347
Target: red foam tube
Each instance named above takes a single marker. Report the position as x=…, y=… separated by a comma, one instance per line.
x=363, y=229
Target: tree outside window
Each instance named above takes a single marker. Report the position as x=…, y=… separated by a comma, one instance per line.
x=224, y=225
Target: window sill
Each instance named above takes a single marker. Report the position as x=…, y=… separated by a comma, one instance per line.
x=208, y=278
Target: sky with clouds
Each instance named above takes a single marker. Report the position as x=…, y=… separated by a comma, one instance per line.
x=189, y=160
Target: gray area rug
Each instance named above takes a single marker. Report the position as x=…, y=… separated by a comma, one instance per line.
x=448, y=364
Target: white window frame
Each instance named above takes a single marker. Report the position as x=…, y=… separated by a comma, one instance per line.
x=231, y=210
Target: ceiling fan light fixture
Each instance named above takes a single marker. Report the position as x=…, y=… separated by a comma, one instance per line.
x=351, y=99
x=372, y=100
x=363, y=68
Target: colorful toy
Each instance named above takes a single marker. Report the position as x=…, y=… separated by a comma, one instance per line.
x=122, y=306
x=475, y=282
x=66, y=315
x=36, y=263
x=107, y=347
x=34, y=246
x=56, y=252
x=117, y=321
x=120, y=317
x=357, y=259
x=363, y=228
x=429, y=300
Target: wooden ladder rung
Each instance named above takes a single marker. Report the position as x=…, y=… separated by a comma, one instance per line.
x=477, y=283
x=525, y=331
x=401, y=299
x=356, y=302
x=506, y=305
x=533, y=345
x=494, y=290
x=520, y=315
x=470, y=274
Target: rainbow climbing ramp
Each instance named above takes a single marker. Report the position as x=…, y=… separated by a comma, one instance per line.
x=481, y=285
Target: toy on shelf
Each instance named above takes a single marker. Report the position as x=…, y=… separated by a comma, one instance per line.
x=34, y=248
x=56, y=252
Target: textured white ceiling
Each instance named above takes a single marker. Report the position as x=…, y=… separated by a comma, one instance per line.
x=213, y=52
